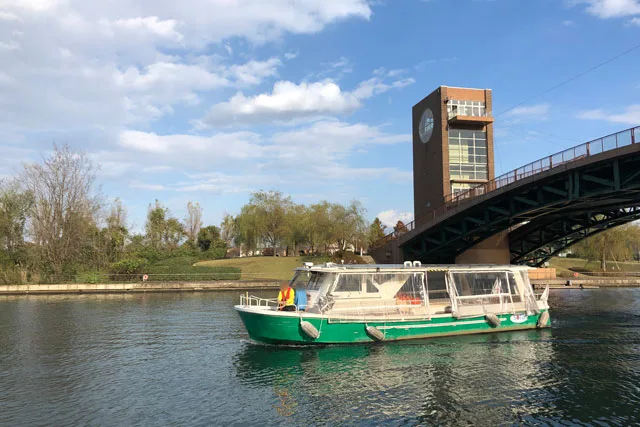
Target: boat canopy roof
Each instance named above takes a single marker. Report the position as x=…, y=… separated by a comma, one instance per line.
x=373, y=268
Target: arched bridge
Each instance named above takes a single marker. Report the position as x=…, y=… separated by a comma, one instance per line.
x=544, y=206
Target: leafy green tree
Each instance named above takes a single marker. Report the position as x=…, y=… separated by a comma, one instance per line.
x=346, y=222
x=614, y=244
x=163, y=232
x=14, y=210
x=318, y=225
x=376, y=232
x=208, y=237
x=265, y=218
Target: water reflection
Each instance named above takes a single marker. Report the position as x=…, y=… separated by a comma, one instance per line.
x=476, y=378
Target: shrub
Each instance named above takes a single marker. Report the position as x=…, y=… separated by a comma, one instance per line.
x=127, y=269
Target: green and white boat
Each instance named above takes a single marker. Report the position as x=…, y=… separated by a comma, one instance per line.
x=365, y=303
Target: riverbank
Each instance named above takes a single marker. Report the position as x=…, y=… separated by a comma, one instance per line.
x=140, y=287
x=596, y=282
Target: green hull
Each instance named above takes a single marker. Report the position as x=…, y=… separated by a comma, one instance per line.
x=272, y=328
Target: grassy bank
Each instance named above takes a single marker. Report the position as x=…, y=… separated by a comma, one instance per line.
x=565, y=267
x=263, y=267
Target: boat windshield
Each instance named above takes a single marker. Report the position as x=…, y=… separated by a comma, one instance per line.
x=320, y=282
x=300, y=279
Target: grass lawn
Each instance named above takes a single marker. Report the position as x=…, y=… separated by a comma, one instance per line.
x=264, y=267
x=566, y=266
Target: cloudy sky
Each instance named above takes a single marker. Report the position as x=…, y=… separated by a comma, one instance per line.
x=209, y=100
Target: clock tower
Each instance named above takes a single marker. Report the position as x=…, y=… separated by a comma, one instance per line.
x=452, y=145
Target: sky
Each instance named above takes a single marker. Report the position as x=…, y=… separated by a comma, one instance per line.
x=211, y=100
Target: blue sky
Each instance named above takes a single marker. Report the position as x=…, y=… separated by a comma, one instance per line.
x=208, y=101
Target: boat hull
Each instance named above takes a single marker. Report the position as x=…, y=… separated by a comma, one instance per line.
x=280, y=328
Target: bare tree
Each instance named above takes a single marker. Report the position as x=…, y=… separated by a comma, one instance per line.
x=193, y=220
x=65, y=203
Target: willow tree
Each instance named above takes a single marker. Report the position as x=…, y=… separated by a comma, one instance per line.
x=270, y=212
x=65, y=203
x=617, y=244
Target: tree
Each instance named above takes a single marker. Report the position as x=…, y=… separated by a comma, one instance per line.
x=208, y=237
x=269, y=211
x=617, y=244
x=346, y=222
x=228, y=229
x=155, y=225
x=193, y=221
x=376, y=232
x=14, y=210
x=65, y=202
x=163, y=232
x=115, y=233
x=399, y=228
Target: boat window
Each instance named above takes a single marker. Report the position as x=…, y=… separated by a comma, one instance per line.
x=349, y=283
x=437, y=285
x=412, y=290
x=301, y=279
x=320, y=281
x=484, y=283
x=371, y=288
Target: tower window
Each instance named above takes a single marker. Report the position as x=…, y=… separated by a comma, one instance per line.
x=468, y=154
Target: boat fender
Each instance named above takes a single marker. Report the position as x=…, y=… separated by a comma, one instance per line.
x=374, y=333
x=543, y=320
x=492, y=320
x=309, y=329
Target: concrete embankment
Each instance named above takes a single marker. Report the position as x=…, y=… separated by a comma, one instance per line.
x=103, y=288
x=595, y=282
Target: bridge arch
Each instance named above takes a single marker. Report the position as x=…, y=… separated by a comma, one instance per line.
x=544, y=207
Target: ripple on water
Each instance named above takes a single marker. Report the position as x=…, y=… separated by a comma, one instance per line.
x=184, y=359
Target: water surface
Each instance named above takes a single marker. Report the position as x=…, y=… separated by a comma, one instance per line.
x=185, y=359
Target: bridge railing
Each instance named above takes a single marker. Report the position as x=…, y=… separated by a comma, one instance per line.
x=587, y=149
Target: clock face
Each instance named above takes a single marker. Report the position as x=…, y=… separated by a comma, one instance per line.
x=425, y=128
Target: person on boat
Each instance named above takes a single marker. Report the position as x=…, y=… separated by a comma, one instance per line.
x=286, y=298
x=300, y=300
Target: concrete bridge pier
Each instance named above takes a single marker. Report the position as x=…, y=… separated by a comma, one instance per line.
x=494, y=250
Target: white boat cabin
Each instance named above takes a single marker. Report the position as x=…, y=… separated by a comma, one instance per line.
x=409, y=290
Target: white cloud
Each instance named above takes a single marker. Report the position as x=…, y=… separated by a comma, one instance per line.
x=630, y=115
x=163, y=28
x=635, y=21
x=376, y=86
x=214, y=149
x=253, y=72
x=568, y=23
x=289, y=101
x=611, y=8
x=391, y=217
x=537, y=111
x=71, y=63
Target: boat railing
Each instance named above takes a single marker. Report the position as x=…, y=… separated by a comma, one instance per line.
x=247, y=300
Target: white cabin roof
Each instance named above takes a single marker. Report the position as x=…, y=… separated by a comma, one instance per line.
x=373, y=268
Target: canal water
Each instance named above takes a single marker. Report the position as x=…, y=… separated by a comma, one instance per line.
x=185, y=360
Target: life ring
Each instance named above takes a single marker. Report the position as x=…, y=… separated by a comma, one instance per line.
x=145, y=278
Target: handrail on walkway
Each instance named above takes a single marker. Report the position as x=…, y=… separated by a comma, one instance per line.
x=588, y=149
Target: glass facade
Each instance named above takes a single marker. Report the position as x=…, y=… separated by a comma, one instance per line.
x=459, y=187
x=468, y=154
x=466, y=108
